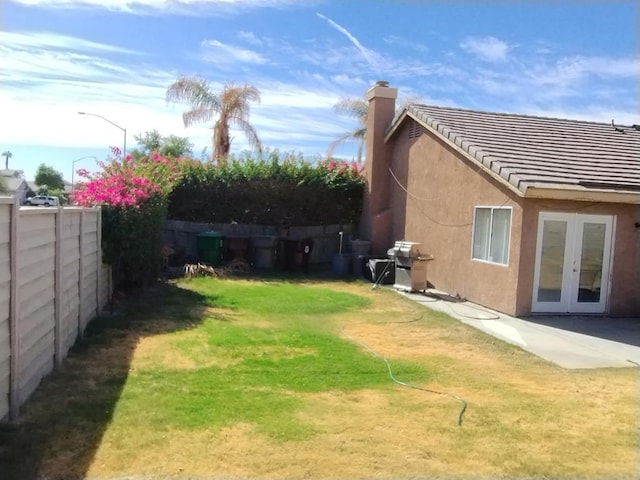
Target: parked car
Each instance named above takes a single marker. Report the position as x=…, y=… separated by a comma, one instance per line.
x=42, y=200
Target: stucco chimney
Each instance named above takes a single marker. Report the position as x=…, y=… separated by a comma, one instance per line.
x=375, y=223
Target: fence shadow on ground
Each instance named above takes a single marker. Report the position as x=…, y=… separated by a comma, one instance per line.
x=61, y=427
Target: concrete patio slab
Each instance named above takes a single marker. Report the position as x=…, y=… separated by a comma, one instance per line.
x=569, y=342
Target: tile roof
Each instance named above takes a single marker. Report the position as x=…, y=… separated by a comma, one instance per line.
x=538, y=152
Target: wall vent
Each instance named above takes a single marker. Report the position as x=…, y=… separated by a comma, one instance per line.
x=415, y=129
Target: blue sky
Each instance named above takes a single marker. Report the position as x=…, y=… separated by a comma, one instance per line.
x=116, y=58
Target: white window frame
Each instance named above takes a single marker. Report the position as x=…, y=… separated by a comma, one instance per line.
x=473, y=233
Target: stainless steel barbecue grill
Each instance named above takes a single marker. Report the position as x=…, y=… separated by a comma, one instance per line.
x=411, y=266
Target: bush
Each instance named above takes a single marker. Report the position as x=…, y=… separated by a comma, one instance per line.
x=270, y=192
x=133, y=196
x=132, y=241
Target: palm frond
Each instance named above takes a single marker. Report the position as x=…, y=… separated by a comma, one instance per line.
x=338, y=141
x=405, y=102
x=194, y=91
x=356, y=108
x=192, y=117
x=249, y=132
x=353, y=107
x=235, y=100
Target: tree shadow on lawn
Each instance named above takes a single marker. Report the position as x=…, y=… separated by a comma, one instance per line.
x=60, y=428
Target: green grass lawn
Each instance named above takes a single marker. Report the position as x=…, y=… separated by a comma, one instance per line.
x=258, y=370
x=278, y=379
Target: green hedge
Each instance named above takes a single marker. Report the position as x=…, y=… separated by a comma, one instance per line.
x=278, y=190
x=132, y=241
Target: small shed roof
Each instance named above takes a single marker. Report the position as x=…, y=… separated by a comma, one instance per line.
x=539, y=156
x=14, y=183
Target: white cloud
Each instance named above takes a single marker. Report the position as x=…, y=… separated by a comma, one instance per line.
x=45, y=86
x=21, y=65
x=590, y=113
x=571, y=81
x=403, y=68
x=31, y=40
x=217, y=52
x=348, y=81
x=214, y=7
x=278, y=94
x=486, y=48
x=571, y=69
x=404, y=43
x=249, y=37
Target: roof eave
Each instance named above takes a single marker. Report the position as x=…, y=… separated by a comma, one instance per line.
x=563, y=192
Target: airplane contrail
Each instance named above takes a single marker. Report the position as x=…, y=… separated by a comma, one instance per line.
x=363, y=50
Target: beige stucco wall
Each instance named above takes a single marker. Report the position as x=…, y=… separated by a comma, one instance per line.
x=438, y=212
x=443, y=191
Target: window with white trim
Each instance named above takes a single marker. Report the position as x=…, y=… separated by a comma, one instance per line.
x=491, y=232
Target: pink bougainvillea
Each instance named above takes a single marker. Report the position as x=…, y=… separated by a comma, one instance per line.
x=128, y=182
x=115, y=190
x=341, y=166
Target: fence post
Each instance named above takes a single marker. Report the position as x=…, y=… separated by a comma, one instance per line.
x=58, y=290
x=14, y=307
x=81, y=275
x=99, y=261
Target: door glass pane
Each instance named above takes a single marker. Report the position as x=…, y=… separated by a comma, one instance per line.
x=554, y=235
x=591, y=262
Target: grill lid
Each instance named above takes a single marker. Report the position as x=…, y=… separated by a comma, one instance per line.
x=402, y=249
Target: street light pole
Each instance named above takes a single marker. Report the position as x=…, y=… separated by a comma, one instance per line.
x=124, y=130
x=73, y=171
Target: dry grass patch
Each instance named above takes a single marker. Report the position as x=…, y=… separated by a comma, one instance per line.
x=269, y=380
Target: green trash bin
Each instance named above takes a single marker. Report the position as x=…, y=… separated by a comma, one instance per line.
x=210, y=248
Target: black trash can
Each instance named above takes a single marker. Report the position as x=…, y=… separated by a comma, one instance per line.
x=287, y=254
x=305, y=248
x=360, y=266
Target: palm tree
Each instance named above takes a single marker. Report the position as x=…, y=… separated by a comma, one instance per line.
x=231, y=106
x=356, y=108
x=7, y=155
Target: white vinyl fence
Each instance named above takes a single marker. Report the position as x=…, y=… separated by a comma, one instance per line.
x=52, y=283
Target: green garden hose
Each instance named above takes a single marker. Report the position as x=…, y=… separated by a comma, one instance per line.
x=462, y=401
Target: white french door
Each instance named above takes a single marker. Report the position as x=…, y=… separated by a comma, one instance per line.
x=572, y=265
